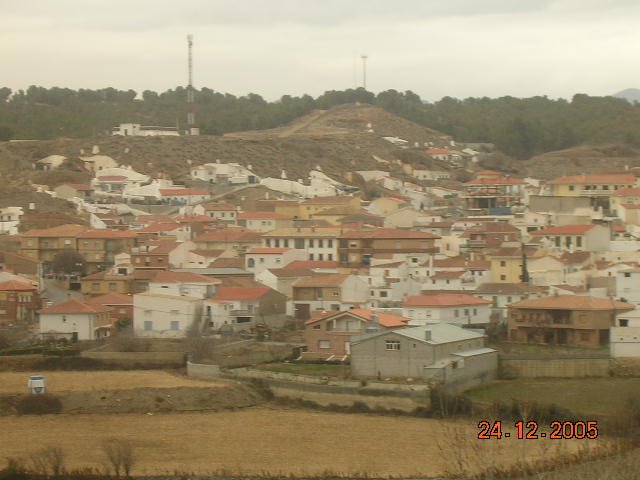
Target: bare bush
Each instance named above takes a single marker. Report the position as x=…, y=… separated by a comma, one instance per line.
x=119, y=454
x=54, y=458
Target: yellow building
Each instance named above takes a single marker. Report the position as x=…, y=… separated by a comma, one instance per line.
x=43, y=245
x=506, y=265
x=315, y=205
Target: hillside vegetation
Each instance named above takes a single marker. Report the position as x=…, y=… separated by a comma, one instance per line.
x=521, y=128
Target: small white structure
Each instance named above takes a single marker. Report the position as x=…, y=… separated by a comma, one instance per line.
x=137, y=130
x=10, y=219
x=224, y=173
x=37, y=385
x=50, y=162
x=625, y=336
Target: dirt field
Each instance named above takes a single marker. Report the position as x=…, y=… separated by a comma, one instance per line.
x=258, y=440
x=57, y=382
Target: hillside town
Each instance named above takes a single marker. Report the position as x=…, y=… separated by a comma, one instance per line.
x=420, y=278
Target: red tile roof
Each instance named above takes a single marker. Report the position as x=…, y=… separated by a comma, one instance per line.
x=68, y=230
x=112, y=178
x=241, y=293
x=319, y=281
x=268, y=251
x=573, y=302
x=81, y=187
x=165, y=276
x=436, y=151
x=230, y=234
x=565, y=230
x=444, y=300
x=335, y=200
x=111, y=299
x=263, y=216
x=159, y=228
x=218, y=207
x=107, y=234
x=74, y=306
x=496, y=181
x=208, y=253
x=311, y=264
x=14, y=286
x=627, y=192
x=388, y=233
x=386, y=320
x=598, y=178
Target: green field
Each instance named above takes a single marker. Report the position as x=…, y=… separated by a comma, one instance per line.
x=598, y=396
x=317, y=369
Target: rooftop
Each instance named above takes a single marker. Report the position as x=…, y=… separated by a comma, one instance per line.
x=573, y=302
x=444, y=300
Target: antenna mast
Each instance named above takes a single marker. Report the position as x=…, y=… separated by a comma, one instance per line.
x=191, y=106
x=364, y=70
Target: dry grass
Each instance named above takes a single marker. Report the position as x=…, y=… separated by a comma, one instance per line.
x=254, y=441
x=16, y=382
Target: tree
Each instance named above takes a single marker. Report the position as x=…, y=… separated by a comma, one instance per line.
x=69, y=261
x=120, y=456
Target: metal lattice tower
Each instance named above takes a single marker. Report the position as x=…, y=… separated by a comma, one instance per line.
x=191, y=107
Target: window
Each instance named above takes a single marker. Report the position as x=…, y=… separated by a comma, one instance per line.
x=578, y=241
x=475, y=311
x=299, y=243
x=466, y=312
x=286, y=243
x=277, y=243
x=320, y=243
x=148, y=325
x=95, y=287
x=330, y=243
x=251, y=263
x=316, y=327
x=557, y=241
x=320, y=256
x=509, y=300
x=311, y=256
x=503, y=277
x=503, y=263
x=384, y=293
x=572, y=188
x=585, y=336
x=392, y=345
x=67, y=242
x=456, y=313
x=336, y=294
x=330, y=257
x=627, y=275
x=311, y=243
x=324, y=344
x=262, y=260
x=175, y=325
x=268, y=242
x=624, y=322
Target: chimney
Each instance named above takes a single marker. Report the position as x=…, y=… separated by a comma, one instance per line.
x=427, y=335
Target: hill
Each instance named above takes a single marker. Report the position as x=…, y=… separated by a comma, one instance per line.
x=629, y=94
x=582, y=159
x=340, y=139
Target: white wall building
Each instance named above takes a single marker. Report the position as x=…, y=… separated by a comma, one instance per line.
x=137, y=130
x=9, y=220
x=459, y=309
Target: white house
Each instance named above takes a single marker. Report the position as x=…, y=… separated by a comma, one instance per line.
x=137, y=130
x=9, y=220
x=625, y=336
x=172, y=305
x=75, y=320
x=258, y=259
x=51, y=162
x=224, y=173
x=628, y=285
x=456, y=308
x=183, y=196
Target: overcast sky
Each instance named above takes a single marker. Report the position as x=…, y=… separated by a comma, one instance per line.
x=459, y=48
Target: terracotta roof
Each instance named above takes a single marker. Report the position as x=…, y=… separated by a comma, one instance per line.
x=320, y=281
x=227, y=263
x=13, y=286
x=229, y=234
x=218, y=207
x=565, y=230
x=263, y=216
x=608, y=178
x=489, y=288
x=388, y=233
x=336, y=200
x=107, y=234
x=241, y=293
x=195, y=219
x=573, y=302
x=575, y=257
x=631, y=206
x=159, y=228
x=208, y=253
x=496, y=181
x=444, y=300
x=304, y=232
x=73, y=306
x=447, y=275
x=287, y=272
x=386, y=320
x=387, y=265
x=436, y=151
x=313, y=264
x=492, y=227
x=154, y=219
x=165, y=276
x=268, y=251
x=507, y=252
x=571, y=288
x=68, y=230
x=627, y=192
x=162, y=247
x=111, y=299
x=181, y=192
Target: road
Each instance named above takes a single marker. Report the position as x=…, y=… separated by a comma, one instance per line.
x=56, y=293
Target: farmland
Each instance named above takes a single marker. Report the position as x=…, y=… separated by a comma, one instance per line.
x=278, y=441
x=595, y=396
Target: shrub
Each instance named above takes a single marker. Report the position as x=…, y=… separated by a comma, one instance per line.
x=39, y=405
x=262, y=388
x=444, y=404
